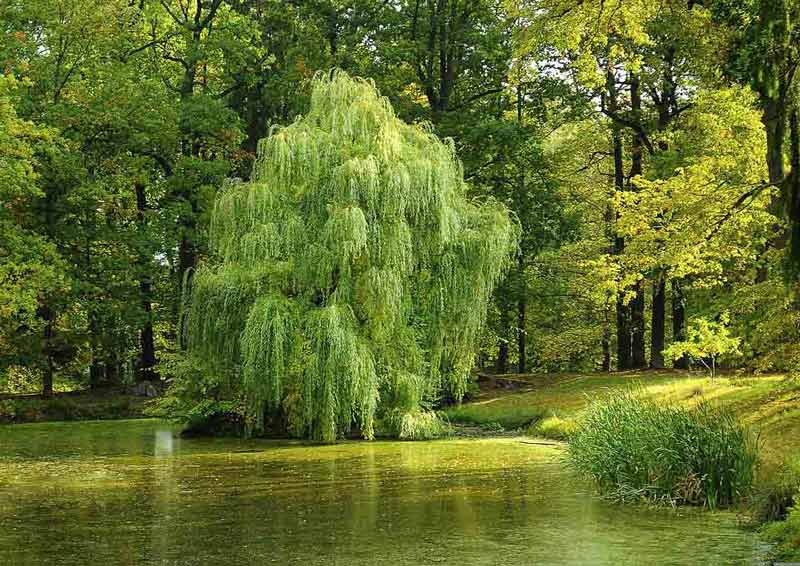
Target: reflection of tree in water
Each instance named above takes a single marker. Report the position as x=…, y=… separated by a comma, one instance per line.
x=460, y=502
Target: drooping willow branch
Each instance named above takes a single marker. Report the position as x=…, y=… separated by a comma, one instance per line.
x=351, y=276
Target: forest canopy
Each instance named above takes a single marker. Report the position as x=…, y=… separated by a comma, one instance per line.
x=171, y=166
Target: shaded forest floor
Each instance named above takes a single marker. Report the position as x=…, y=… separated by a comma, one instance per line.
x=109, y=403
x=548, y=405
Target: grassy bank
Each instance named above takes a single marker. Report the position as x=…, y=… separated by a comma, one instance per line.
x=547, y=405
x=72, y=406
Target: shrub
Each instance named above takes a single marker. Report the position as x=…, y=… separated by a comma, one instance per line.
x=553, y=427
x=706, y=342
x=785, y=535
x=637, y=448
x=774, y=494
x=73, y=408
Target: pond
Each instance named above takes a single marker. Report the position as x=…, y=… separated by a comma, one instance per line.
x=132, y=492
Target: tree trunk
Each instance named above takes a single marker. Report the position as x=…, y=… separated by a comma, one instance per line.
x=623, y=335
x=793, y=190
x=774, y=119
x=501, y=363
x=638, y=358
x=147, y=357
x=187, y=252
x=657, y=324
x=618, y=243
x=49, y=370
x=522, y=287
x=147, y=348
x=96, y=369
x=522, y=366
x=47, y=380
x=678, y=320
x=606, y=344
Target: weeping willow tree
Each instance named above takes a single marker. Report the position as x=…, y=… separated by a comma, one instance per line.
x=350, y=278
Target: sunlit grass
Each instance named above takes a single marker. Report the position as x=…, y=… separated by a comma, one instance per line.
x=769, y=403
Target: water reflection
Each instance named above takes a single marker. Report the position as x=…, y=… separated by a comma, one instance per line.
x=164, y=442
x=132, y=493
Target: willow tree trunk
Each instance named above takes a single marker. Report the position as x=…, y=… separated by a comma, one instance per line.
x=657, y=324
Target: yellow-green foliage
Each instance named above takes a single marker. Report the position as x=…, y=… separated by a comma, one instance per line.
x=416, y=425
x=350, y=269
x=554, y=427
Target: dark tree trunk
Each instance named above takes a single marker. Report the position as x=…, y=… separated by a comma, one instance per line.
x=678, y=320
x=147, y=348
x=49, y=370
x=657, y=324
x=47, y=380
x=187, y=221
x=96, y=373
x=45, y=310
x=618, y=243
x=606, y=344
x=147, y=358
x=606, y=363
x=774, y=120
x=113, y=369
x=638, y=358
x=96, y=368
x=440, y=52
x=501, y=363
x=521, y=337
x=793, y=189
x=522, y=287
x=623, y=335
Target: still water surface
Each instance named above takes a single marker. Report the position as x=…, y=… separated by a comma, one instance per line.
x=131, y=492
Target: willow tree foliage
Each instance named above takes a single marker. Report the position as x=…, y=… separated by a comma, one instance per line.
x=351, y=276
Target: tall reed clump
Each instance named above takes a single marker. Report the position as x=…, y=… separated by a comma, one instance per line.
x=638, y=448
x=351, y=276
